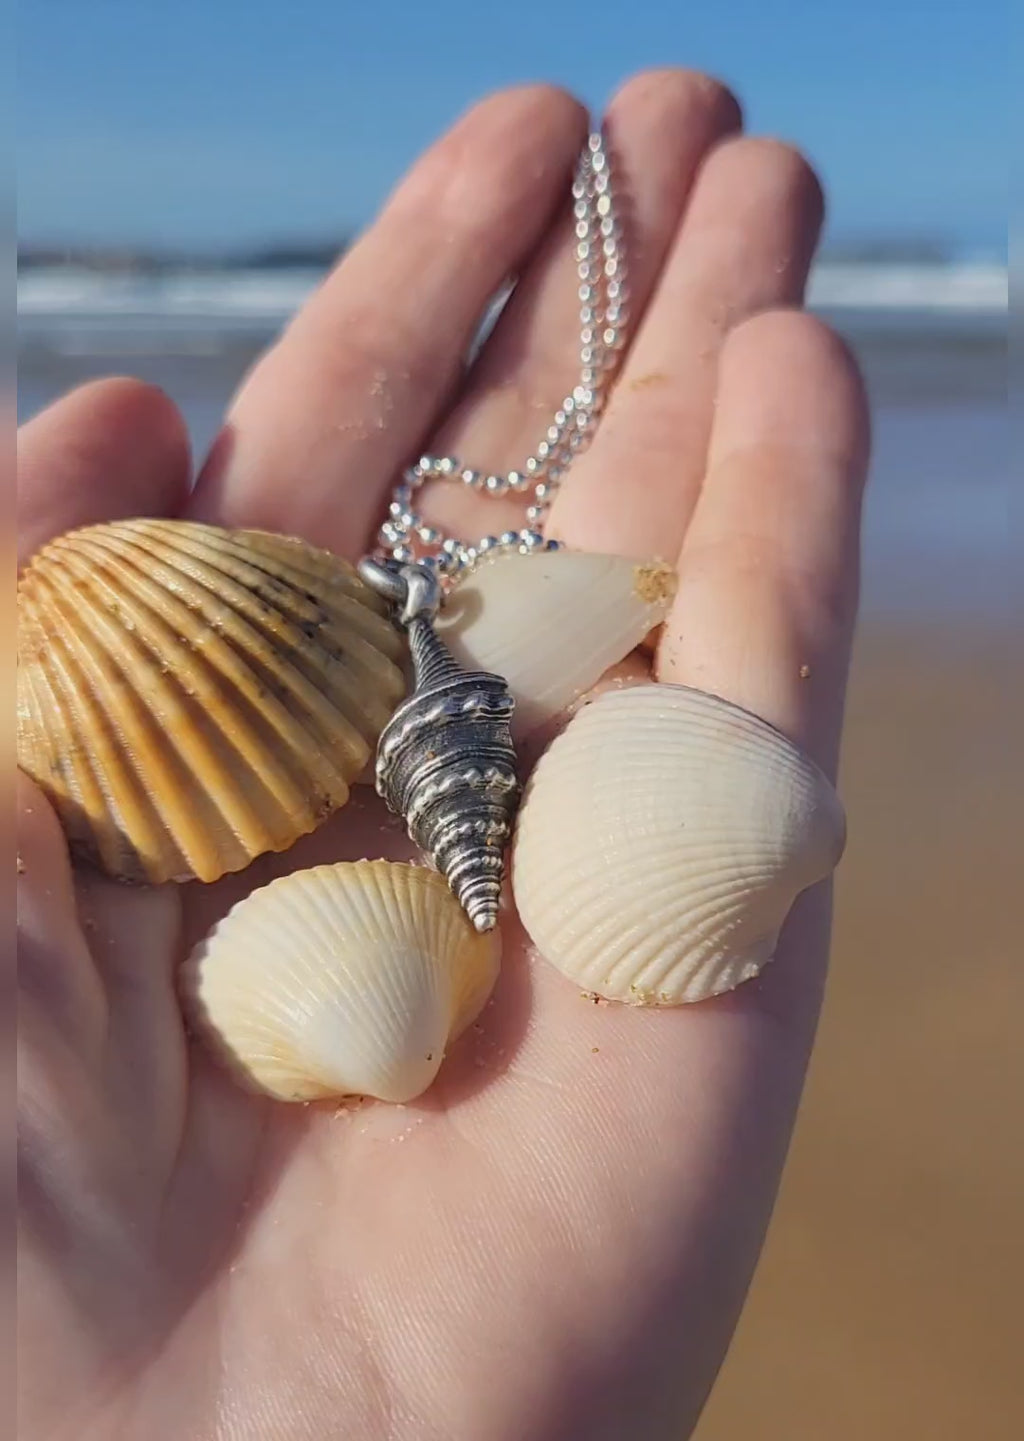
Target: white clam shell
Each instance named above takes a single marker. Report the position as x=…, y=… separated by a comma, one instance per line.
x=662, y=840
x=552, y=622
x=342, y=980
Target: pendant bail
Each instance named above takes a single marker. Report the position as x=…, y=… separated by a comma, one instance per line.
x=414, y=590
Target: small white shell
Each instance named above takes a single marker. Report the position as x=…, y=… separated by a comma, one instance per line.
x=662, y=840
x=343, y=980
x=553, y=622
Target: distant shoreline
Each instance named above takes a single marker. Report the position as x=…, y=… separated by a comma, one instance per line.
x=240, y=297
x=320, y=252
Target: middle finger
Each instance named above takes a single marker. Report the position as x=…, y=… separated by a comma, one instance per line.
x=660, y=125
x=745, y=245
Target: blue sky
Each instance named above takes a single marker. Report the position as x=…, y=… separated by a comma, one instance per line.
x=213, y=122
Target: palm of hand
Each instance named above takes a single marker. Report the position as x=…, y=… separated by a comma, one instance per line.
x=556, y=1239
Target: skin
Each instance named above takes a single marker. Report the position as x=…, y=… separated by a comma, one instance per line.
x=555, y=1242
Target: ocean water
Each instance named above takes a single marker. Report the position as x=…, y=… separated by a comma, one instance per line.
x=931, y=341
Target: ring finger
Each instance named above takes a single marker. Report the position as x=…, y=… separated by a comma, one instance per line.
x=744, y=245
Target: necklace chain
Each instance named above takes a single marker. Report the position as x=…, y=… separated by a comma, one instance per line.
x=601, y=272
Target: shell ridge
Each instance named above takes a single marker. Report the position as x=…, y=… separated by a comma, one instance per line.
x=166, y=710
x=356, y=655
x=350, y=909
x=251, y=571
x=400, y=900
x=252, y=738
x=707, y=936
x=307, y=568
x=756, y=952
x=592, y=950
x=305, y=913
x=656, y=865
x=84, y=790
x=385, y=1030
x=241, y=549
x=185, y=748
x=306, y=994
x=229, y=616
x=316, y=918
x=368, y=904
x=187, y=744
x=440, y=709
x=458, y=770
x=705, y=709
x=123, y=792
x=668, y=879
x=267, y=736
x=346, y=908
x=226, y=608
x=377, y=909
x=33, y=679
x=704, y=915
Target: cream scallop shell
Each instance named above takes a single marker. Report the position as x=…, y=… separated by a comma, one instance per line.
x=190, y=697
x=661, y=842
x=343, y=980
x=553, y=622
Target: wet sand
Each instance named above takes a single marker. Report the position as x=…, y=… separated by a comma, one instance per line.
x=888, y=1302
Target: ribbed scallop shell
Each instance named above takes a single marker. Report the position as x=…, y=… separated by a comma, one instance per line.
x=661, y=842
x=190, y=697
x=344, y=980
x=553, y=622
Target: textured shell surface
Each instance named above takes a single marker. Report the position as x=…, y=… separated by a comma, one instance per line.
x=662, y=840
x=342, y=980
x=191, y=697
x=553, y=622
x=446, y=763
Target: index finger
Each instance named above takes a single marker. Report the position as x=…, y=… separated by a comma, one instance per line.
x=347, y=397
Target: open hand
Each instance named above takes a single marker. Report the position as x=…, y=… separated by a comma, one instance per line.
x=556, y=1240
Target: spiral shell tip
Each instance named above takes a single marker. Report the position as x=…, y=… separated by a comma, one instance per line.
x=484, y=916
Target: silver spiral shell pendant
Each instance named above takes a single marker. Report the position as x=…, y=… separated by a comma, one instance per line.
x=445, y=760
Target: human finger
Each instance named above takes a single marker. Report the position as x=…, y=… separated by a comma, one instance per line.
x=671, y=1125
x=658, y=129
x=745, y=244
x=110, y=449
x=767, y=593
x=326, y=420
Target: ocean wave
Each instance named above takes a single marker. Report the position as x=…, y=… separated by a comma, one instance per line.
x=255, y=294
x=271, y=297
x=973, y=288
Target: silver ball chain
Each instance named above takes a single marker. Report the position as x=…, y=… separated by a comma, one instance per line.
x=601, y=270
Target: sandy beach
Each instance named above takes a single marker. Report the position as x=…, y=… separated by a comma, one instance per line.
x=887, y=1302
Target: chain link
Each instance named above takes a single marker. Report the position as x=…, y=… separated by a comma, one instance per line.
x=601, y=273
